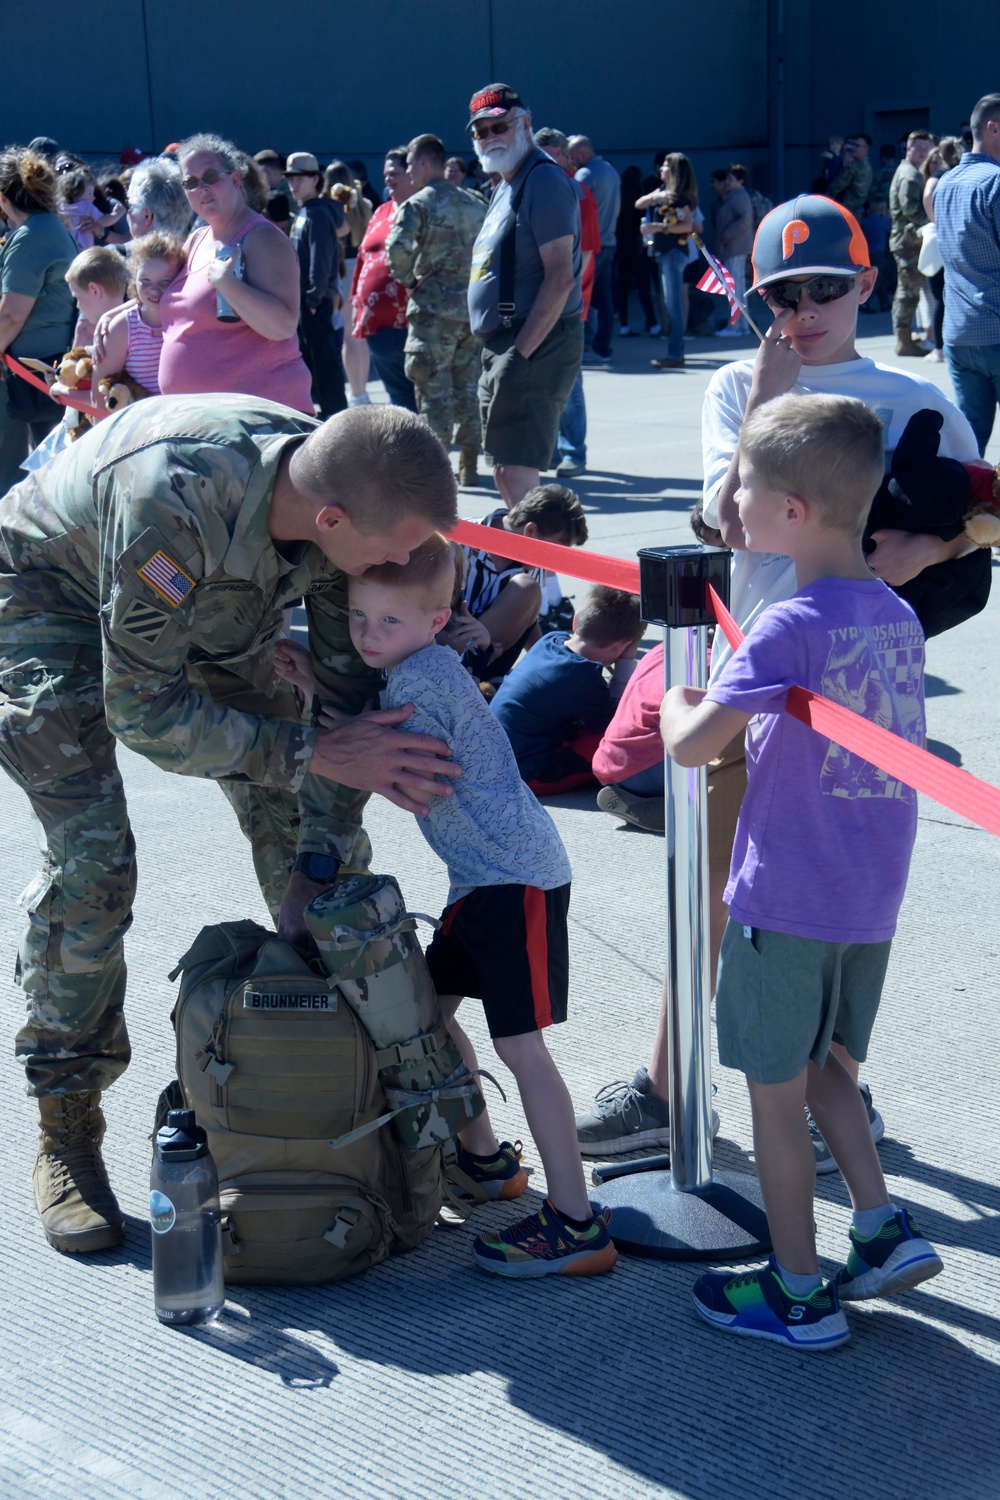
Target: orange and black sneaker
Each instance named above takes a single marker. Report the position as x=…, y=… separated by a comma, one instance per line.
x=482, y=1179
x=547, y=1244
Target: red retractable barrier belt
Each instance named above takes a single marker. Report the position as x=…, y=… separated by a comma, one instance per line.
x=948, y=785
x=76, y=402
x=592, y=567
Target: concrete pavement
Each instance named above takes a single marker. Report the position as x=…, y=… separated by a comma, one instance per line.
x=425, y=1378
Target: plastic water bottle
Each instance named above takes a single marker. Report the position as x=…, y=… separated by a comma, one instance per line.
x=223, y=312
x=185, y=1219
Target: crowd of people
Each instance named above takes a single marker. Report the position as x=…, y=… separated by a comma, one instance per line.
x=148, y=567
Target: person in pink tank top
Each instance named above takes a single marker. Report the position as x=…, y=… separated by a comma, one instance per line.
x=131, y=340
x=244, y=259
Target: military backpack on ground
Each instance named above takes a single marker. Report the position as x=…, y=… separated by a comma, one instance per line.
x=321, y=1175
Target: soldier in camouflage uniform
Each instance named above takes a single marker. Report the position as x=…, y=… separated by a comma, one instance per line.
x=906, y=210
x=143, y=575
x=430, y=251
x=853, y=182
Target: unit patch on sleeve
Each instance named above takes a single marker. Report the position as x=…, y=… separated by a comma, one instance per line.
x=167, y=578
x=145, y=621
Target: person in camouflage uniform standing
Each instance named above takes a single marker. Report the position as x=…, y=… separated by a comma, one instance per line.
x=143, y=575
x=430, y=251
x=906, y=210
x=853, y=182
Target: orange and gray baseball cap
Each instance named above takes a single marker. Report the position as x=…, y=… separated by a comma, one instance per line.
x=808, y=236
x=302, y=164
x=492, y=101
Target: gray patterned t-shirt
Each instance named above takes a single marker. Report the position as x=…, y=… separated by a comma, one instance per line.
x=492, y=831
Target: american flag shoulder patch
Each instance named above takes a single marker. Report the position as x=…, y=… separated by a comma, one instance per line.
x=167, y=578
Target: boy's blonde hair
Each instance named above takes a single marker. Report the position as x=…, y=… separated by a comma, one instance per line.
x=826, y=449
x=606, y=616
x=429, y=574
x=154, y=246
x=99, y=265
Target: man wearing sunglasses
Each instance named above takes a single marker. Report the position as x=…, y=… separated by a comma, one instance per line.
x=810, y=262
x=525, y=302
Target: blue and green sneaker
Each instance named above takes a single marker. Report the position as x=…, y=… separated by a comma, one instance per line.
x=545, y=1244
x=895, y=1258
x=759, y=1305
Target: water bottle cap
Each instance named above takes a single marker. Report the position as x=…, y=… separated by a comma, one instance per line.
x=181, y=1138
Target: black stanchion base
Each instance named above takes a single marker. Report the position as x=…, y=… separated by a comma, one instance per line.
x=650, y=1217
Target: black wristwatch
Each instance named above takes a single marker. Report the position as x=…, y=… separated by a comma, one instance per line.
x=322, y=868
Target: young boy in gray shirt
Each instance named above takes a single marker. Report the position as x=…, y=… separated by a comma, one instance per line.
x=503, y=936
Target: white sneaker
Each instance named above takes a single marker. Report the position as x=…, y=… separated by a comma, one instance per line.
x=729, y=332
x=363, y=400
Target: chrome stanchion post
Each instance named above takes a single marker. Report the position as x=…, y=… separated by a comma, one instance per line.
x=674, y=1208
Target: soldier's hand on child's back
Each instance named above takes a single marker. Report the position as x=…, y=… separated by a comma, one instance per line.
x=369, y=753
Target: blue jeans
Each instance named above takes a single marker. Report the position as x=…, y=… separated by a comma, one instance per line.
x=572, y=439
x=672, y=283
x=386, y=349
x=975, y=374
x=601, y=318
x=647, y=783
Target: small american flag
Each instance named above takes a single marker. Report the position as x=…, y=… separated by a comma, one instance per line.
x=710, y=282
x=169, y=580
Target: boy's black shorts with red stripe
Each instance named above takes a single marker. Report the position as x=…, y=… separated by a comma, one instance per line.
x=508, y=946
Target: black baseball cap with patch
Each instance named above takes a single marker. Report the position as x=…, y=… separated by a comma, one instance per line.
x=808, y=236
x=494, y=100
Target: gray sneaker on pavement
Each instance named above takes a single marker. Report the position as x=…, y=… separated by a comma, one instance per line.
x=824, y=1157
x=626, y=1117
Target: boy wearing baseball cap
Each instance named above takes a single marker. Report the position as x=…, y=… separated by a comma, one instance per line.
x=812, y=267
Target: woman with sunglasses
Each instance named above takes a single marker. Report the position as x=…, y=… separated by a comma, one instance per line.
x=666, y=228
x=241, y=259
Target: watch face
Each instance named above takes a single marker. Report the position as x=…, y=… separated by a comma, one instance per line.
x=317, y=866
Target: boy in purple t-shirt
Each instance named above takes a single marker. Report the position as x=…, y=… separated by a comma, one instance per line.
x=819, y=864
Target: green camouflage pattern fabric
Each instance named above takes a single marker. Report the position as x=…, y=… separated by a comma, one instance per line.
x=852, y=185
x=906, y=209
x=141, y=599
x=366, y=940
x=429, y=248
x=442, y=360
x=906, y=299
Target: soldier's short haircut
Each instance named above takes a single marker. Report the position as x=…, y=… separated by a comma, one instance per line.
x=429, y=573
x=101, y=266
x=381, y=464
x=986, y=110
x=919, y=135
x=826, y=449
x=549, y=136
x=430, y=147
x=156, y=185
x=607, y=615
x=555, y=511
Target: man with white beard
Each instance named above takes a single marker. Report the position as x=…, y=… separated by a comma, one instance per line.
x=524, y=293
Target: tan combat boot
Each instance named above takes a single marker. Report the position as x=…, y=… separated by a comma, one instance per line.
x=79, y=1211
x=468, y=467
x=906, y=344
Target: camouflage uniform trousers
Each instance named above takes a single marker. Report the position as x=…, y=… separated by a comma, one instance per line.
x=909, y=285
x=56, y=746
x=442, y=360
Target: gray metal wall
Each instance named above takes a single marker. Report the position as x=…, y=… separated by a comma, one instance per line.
x=351, y=79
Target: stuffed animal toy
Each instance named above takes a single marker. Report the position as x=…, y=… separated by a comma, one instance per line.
x=121, y=390
x=76, y=369
x=940, y=497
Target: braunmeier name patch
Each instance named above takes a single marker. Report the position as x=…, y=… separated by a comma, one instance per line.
x=167, y=577
x=256, y=1000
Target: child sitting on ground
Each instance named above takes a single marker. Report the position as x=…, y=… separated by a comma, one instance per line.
x=98, y=279
x=556, y=703
x=133, y=338
x=819, y=865
x=503, y=935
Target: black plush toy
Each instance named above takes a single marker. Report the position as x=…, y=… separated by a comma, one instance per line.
x=939, y=496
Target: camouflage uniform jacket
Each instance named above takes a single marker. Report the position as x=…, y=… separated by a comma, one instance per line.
x=430, y=248
x=852, y=185
x=150, y=534
x=906, y=193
